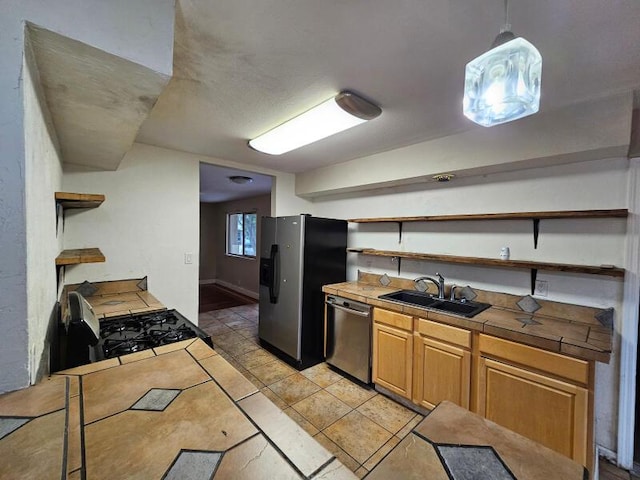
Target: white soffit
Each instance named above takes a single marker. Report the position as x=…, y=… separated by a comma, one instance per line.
x=582, y=132
x=97, y=100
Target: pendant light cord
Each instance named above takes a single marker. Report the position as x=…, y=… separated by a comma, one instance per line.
x=507, y=26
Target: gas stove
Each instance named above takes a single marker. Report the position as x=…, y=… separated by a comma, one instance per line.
x=133, y=333
x=87, y=339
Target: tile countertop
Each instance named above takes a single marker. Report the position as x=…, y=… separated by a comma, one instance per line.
x=557, y=327
x=118, y=297
x=179, y=411
x=453, y=443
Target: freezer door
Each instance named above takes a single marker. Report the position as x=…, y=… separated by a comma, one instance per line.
x=267, y=235
x=267, y=275
x=283, y=329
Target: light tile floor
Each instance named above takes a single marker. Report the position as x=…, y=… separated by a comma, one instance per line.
x=359, y=426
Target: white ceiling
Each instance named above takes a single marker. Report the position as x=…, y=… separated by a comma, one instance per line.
x=216, y=187
x=242, y=67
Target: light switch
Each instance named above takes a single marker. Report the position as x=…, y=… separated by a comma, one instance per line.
x=188, y=258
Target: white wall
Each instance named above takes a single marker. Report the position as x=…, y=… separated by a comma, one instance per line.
x=149, y=220
x=140, y=30
x=589, y=185
x=43, y=177
x=284, y=200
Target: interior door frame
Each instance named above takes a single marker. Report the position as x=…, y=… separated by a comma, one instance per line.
x=629, y=324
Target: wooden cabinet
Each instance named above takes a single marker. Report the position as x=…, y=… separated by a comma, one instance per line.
x=392, y=352
x=538, y=394
x=441, y=364
x=542, y=395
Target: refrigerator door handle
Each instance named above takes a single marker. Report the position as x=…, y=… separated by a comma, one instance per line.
x=274, y=283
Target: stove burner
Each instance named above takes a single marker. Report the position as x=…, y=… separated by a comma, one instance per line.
x=160, y=319
x=115, y=347
x=119, y=327
x=162, y=337
x=132, y=333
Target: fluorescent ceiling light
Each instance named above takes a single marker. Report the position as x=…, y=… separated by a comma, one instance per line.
x=503, y=84
x=339, y=113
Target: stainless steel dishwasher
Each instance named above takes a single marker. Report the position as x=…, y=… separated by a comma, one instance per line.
x=349, y=337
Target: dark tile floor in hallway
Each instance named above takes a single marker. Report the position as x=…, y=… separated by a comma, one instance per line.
x=359, y=426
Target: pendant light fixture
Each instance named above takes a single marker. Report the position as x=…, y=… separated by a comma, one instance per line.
x=343, y=111
x=503, y=84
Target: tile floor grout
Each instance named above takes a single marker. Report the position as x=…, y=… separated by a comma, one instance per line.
x=234, y=332
x=281, y=378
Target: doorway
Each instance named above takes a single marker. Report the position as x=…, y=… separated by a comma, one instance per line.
x=232, y=202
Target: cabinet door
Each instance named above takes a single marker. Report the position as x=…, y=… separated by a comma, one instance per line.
x=392, y=359
x=549, y=411
x=441, y=372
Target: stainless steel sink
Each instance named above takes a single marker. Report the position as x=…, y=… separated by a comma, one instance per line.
x=419, y=299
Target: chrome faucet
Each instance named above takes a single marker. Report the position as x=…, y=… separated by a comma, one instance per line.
x=452, y=293
x=438, y=283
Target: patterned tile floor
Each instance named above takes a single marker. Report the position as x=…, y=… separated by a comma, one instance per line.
x=358, y=425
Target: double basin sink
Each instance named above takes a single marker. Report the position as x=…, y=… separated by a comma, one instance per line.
x=424, y=300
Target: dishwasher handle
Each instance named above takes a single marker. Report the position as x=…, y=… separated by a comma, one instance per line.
x=348, y=310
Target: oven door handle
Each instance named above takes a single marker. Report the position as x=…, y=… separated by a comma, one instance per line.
x=348, y=310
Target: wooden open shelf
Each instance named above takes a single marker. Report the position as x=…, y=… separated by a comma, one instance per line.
x=80, y=255
x=620, y=213
x=79, y=200
x=491, y=262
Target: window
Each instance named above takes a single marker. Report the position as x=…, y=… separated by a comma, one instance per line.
x=241, y=234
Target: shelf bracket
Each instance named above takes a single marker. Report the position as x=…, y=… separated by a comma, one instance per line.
x=399, y=232
x=59, y=215
x=536, y=231
x=60, y=271
x=534, y=275
x=399, y=260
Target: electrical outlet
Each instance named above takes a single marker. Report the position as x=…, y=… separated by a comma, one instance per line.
x=188, y=258
x=542, y=288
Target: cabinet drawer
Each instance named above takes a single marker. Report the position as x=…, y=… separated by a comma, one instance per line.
x=554, y=363
x=393, y=319
x=447, y=333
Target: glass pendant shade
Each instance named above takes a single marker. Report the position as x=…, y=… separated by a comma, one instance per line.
x=503, y=84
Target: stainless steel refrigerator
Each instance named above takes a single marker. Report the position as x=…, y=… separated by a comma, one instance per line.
x=298, y=255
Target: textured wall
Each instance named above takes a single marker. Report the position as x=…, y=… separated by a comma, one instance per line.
x=148, y=222
x=140, y=30
x=43, y=177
